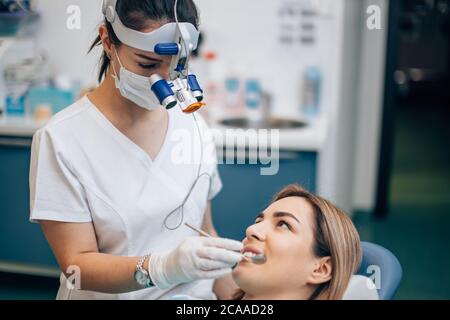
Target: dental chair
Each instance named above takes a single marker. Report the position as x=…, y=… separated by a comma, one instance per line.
x=376, y=256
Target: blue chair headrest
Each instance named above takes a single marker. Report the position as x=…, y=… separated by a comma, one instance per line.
x=383, y=267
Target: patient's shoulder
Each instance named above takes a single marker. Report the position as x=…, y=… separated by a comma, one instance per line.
x=361, y=288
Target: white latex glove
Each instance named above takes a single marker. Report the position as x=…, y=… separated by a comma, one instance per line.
x=194, y=259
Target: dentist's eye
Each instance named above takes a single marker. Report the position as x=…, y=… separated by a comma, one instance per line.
x=148, y=66
x=283, y=224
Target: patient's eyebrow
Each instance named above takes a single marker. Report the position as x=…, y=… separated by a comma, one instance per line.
x=280, y=214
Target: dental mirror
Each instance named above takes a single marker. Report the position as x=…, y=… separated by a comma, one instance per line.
x=256, y=259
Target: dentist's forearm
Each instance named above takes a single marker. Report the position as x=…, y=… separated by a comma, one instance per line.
x=75, y=248
x=106, y=273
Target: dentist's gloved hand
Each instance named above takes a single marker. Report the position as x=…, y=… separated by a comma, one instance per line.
x=194, y=259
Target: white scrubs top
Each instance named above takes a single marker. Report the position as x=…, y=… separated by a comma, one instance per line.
x=83, y=169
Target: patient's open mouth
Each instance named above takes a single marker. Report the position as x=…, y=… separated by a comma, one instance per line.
x=254, y=255
x=251, y=250
x=249, y=254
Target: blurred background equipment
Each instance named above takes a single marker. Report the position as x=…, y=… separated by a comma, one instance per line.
x=312, y=82
x=19, y=77
x=17, y=17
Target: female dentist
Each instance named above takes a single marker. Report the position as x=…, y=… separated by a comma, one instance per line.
x=106, y=185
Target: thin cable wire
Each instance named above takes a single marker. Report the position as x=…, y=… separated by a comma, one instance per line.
x=191, y=189
x=199, y=176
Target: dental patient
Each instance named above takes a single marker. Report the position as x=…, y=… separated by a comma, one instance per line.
x=311, y=247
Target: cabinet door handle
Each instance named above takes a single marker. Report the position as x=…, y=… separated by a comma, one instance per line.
x=282, y=155
x=15, y=142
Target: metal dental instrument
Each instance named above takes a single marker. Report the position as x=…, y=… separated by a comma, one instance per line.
x=256, y=259
x=203, y=233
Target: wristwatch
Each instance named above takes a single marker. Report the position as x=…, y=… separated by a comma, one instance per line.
x=141, y=275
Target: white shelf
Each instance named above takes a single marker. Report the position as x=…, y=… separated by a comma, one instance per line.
x=18, y=127
x=310, y=138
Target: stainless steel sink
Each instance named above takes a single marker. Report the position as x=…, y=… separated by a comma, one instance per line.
x=270, y=123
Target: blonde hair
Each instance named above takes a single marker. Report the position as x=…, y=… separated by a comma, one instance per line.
x=335, y=236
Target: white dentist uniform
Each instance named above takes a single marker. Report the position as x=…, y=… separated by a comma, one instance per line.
x=83, y=169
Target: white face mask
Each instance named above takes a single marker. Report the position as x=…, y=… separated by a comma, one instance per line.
x=135, y=88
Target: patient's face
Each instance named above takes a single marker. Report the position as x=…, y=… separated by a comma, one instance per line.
x=284, y=233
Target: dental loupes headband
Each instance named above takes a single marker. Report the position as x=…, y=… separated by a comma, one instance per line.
x=148, y=41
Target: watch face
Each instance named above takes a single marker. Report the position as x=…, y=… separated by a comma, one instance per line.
x=141, y=278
